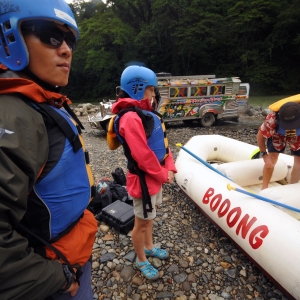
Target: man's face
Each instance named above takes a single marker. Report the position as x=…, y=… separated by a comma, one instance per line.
x=149, y=93
x=48, y=63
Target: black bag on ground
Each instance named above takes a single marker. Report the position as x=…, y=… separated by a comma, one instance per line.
x=108, y=192
x=118, y=192
x=119, y=176
x=103, y=196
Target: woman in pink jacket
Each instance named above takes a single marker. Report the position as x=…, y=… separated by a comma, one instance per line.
x=150, y=161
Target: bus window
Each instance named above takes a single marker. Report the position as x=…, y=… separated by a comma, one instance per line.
x=242, y=90
x=178, y=92
x=198, y=91
x=217, y=90
x=172, y=92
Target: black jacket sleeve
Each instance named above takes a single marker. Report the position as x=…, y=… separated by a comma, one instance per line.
x=23, y=152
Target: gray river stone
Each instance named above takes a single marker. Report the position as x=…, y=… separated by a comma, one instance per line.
x=130, y=256
x=106, y=257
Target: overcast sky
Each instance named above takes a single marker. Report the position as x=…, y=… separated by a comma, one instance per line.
x=70, y=1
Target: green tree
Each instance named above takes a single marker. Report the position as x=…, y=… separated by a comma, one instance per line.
x=260, y=38
x=257, y=40
x=103, y=48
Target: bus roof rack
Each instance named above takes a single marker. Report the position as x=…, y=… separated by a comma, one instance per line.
x=163, y=74
x=167, y=76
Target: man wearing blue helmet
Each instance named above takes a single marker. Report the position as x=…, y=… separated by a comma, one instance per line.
x=150, y=162
x=46, y=233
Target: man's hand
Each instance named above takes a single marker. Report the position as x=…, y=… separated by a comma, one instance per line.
x=70, y=279
x=73, y=288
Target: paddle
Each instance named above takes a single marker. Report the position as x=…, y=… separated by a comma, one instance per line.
x=230, y=188
x=201, y=160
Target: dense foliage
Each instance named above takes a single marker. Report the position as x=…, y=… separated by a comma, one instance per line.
x=256, y=40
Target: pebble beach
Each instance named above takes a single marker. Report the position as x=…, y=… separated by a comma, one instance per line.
x=204, y=264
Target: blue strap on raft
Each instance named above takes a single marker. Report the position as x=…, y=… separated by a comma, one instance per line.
x=237, y=189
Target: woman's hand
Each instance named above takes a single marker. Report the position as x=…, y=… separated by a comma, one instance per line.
x=170, y=177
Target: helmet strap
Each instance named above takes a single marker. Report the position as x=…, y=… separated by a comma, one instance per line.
x=40, y=82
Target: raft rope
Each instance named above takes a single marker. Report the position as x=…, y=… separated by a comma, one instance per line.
x=232, y=188
x=202, y=161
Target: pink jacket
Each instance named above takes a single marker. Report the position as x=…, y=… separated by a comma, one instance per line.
x=131, y=128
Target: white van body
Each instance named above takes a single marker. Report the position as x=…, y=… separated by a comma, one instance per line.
x=243, y=96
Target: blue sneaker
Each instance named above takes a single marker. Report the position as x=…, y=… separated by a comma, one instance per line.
x=147, y=269
x=157, y=252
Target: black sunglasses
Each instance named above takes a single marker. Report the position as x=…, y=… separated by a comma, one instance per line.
x=51, y=35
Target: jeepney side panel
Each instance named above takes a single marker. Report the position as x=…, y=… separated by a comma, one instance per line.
x=183, y=103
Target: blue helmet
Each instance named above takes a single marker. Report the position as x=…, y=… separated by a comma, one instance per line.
x=135, y=79
x=13, y=50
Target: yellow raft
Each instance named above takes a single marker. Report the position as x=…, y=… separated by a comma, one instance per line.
x=276, y=105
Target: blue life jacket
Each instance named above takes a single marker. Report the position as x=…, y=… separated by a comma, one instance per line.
x=288, y=133
x=156, y=133
x=65, y=186
x=284, y=132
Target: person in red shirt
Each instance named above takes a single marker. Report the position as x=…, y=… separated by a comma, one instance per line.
x=280, y=130
x=137, y=91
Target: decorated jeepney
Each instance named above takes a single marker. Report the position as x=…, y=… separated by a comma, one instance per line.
x=203, y=98
x=200, y=97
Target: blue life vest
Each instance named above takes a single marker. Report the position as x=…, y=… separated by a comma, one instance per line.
x=288, y=133
x=156, y=140
x=64, y=188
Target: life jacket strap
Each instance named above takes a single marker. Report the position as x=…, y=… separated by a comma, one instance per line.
x=147, y=127
x=87, y=157
x=93, y=191
x=72, y=114
x=146, y=199
x=277, y=121
x=64, y=126
x=134, y=169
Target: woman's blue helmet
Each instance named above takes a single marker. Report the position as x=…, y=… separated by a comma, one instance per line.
x=13, y=50
x=135, y=79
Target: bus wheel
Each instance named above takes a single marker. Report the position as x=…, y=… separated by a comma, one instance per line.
x=207, y=120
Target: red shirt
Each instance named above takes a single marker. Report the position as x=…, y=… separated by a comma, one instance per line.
x=268, y=129
x=132, y=129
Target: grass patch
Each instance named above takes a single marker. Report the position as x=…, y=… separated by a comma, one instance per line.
x=264, y=101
